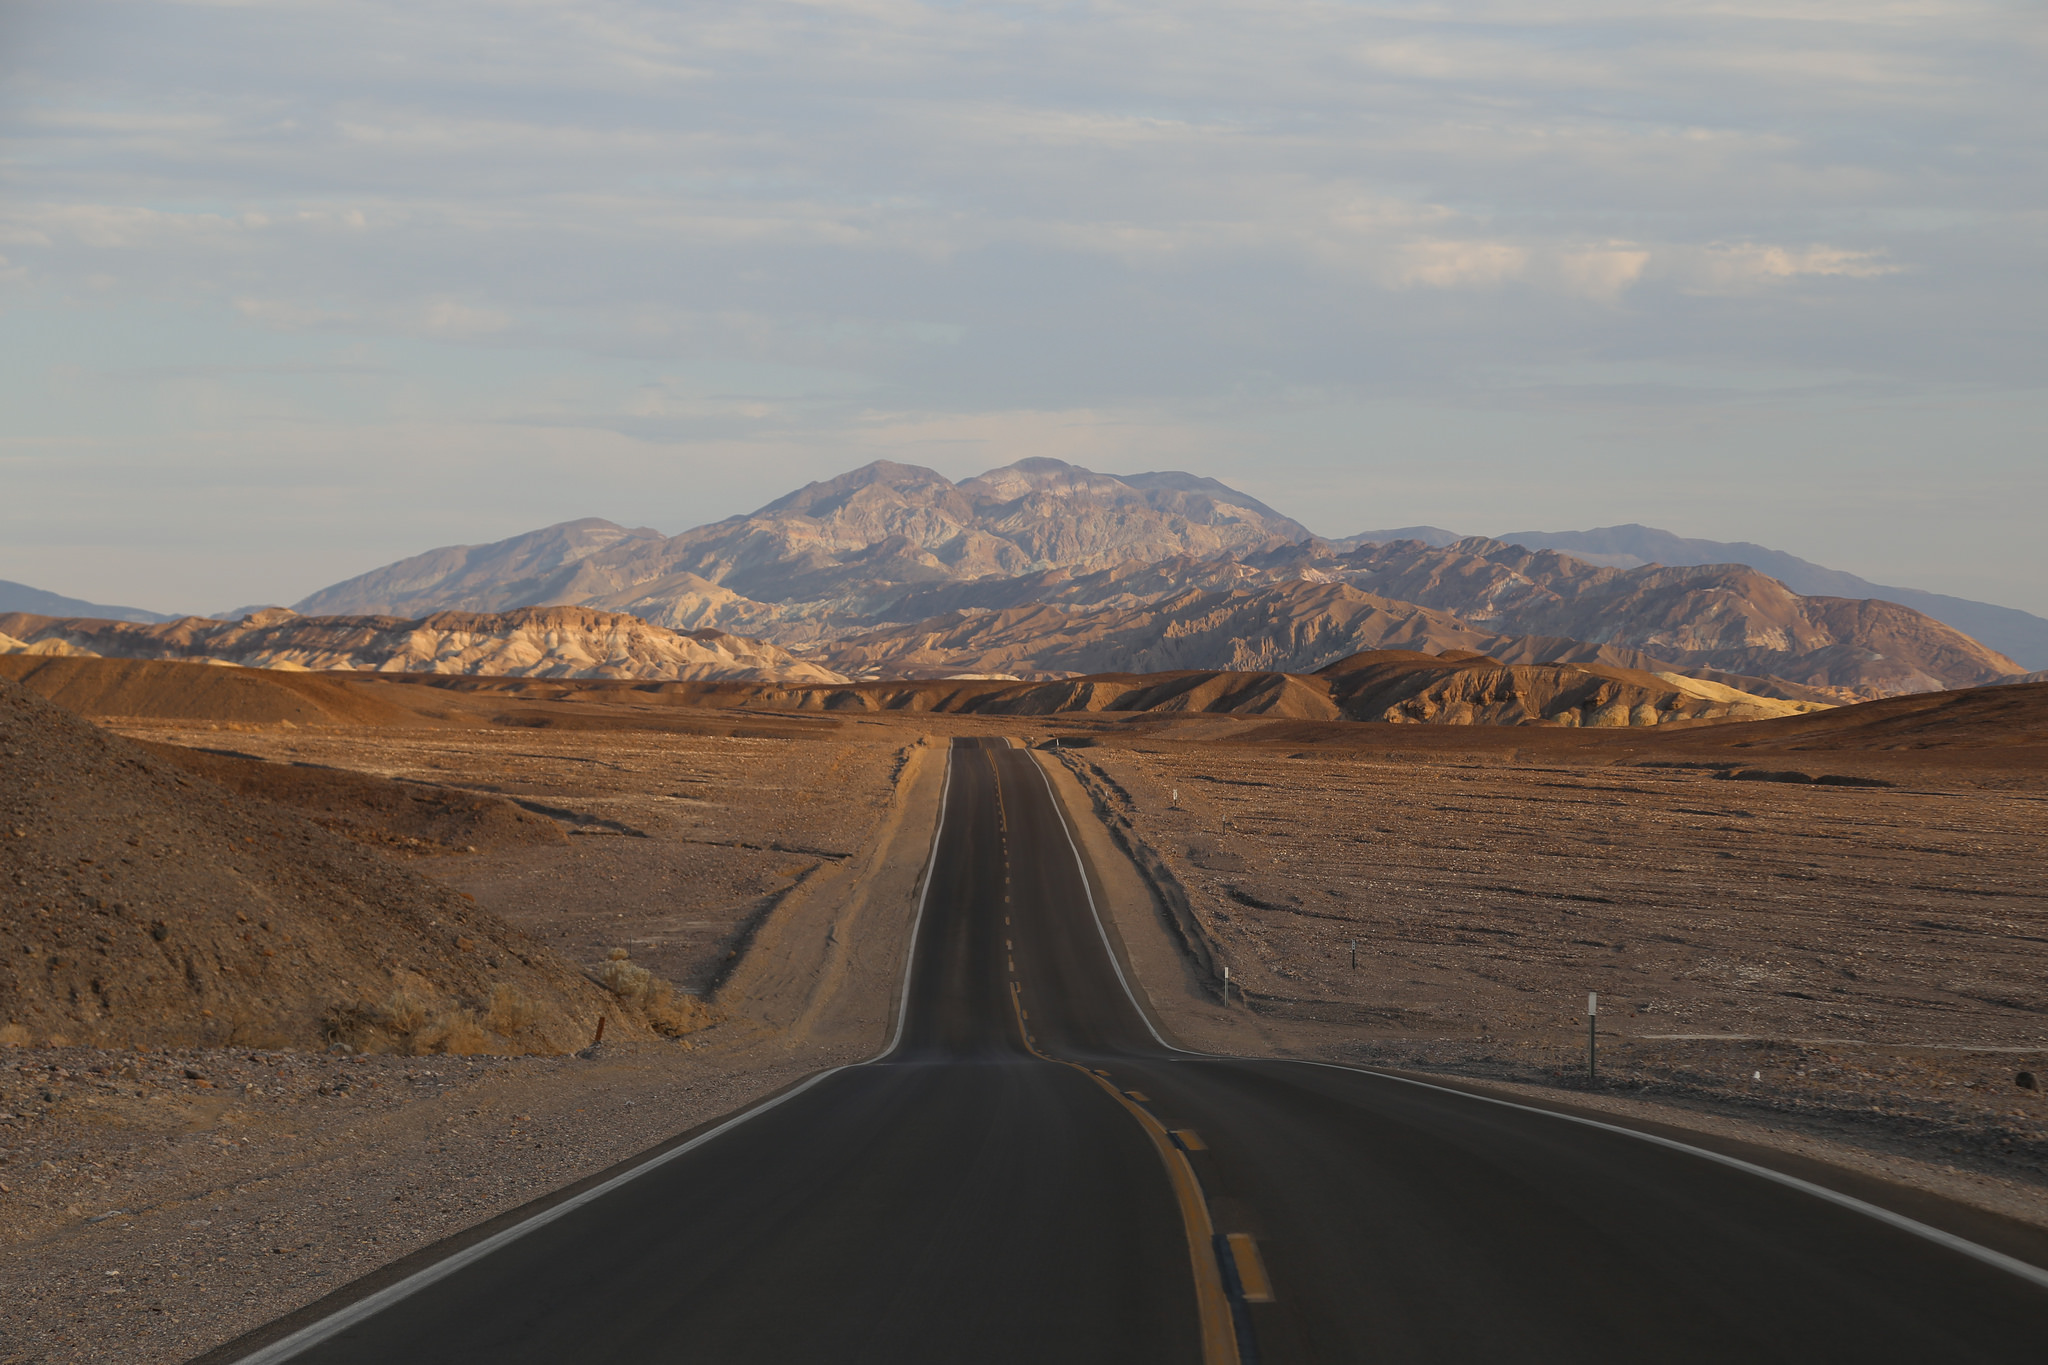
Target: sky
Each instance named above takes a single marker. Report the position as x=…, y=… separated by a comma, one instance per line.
x=292, y=289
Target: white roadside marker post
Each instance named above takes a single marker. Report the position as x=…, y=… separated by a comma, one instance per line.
x=1226, y=988
x=1592, y=1033
x=1354, y=954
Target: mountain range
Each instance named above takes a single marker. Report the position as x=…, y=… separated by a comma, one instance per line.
x=1042, y=568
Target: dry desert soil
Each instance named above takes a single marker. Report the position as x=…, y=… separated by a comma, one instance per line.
x=1819, y=936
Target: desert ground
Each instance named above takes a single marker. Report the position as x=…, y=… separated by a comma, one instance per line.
x=157, y=1201
x=1845, y=970
x=1866, y=959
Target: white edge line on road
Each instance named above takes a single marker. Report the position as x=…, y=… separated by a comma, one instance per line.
x=1089, y=892
x=343, y=1318
x=2012, y=1265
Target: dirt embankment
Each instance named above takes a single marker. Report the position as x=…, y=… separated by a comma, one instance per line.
x=143, y=904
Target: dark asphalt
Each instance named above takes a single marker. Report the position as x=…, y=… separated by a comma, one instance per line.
x=964, y=1200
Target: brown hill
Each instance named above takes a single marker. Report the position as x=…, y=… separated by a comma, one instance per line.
x=1396, y=686
x=373, y=810
x=157, y=690
x=1980, y=718
x=140, y=903
x=531, y=642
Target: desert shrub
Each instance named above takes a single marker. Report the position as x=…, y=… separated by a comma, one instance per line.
x=456, y=1032
x=349, y=1023
x=404, y=1015
x=510, y=1010
x=666, y=1012
x=628, y=981
x=674, y=1015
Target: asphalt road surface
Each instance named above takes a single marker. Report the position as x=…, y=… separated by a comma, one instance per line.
x=1031, y=1174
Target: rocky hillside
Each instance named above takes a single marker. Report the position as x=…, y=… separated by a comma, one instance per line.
x=1291, y=627
x=2017, y=634
x=1395, y=686
x=854, y=542
x=1720, y=616
x=1487, y=594
x=143, y=903
x=540, y=568
x=1295, y=625
x=549, y=642
x=1724, y=618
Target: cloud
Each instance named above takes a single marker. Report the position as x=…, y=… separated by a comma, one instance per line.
x=447, y=317
x=291, y=314
x=1453, y=265
x=1206, y=216
x=1747, y=266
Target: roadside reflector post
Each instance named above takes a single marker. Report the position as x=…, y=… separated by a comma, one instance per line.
x=1354, y=954
x=1592, y=1034
x=1226, y=988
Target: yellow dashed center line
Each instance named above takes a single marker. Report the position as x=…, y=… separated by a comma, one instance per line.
x=1251, y=1270
x=1212, y=1303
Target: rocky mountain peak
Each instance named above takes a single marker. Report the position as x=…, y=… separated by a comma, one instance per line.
x=880, y=482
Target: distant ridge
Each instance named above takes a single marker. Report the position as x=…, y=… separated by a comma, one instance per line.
x=37, y=602
x=1436, y=537
x=2021, y=635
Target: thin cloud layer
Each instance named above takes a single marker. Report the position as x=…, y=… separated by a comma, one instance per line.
x=798, y=225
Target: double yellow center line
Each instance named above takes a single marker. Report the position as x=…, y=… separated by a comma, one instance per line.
x=1212, y=1301
x=1205, y=1248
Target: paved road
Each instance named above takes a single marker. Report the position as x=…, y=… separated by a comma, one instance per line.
x=1032, y=1175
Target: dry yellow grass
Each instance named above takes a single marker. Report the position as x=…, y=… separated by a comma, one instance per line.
x=666, y=1012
